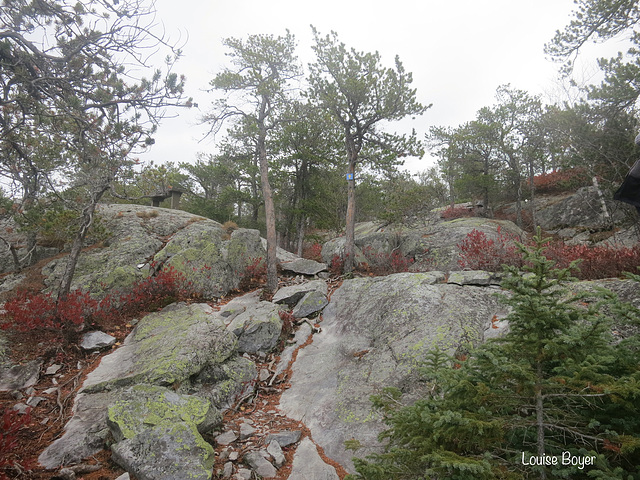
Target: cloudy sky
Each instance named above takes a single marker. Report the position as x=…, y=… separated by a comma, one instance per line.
x=459, y=51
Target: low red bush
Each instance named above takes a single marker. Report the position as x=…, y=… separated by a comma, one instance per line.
x=28, y=311
x=10, y=425
x=456, y=212
x=313, y=252
x=477, y=252
x=560, y=181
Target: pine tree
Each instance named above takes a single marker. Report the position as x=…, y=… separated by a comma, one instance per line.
x=555, y=387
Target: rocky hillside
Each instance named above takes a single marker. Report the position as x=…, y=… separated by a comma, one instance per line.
x=255, y=385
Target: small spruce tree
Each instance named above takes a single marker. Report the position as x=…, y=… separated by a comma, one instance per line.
x=556, y=384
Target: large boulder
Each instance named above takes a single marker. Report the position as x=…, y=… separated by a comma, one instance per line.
x=165, y=348
x=185, y=347
x=134, y=234
x=582, y=209
x=375, y=332
x=142, y=240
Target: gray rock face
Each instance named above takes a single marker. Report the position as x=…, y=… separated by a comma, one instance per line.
x=212, y=264
x=18, y=377
x=291, y=295
x=169, y=452
x=96, y=340
x=375, y=332
x=311, y=303
x=308, y=465
x=304, y=266
x=260, y=465
x=257, y=328
x=135, y=235
x=199, y=249
x=582, y=209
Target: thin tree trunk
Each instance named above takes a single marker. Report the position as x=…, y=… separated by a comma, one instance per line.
x=301, y=229
x=540, y=417
x=76, y=248
x=14, y=255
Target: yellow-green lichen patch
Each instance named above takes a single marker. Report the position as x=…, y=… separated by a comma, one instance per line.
x=148, y=406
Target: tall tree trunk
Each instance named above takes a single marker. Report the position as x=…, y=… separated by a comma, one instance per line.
x=349, y=243
x=269, y=210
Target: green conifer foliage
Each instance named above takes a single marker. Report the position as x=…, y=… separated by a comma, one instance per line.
x=557, y=386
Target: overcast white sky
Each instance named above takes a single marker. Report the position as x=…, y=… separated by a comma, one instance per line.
x=459, y=51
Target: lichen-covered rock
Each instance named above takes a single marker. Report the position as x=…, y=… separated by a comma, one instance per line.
x=311, y=303
x=292, y=294
x=168, y=452
x=166, y=347
x=257, y=328
x=172, y=347
x=149, y=406
x=223, y=384
x=212, y=262
x=375, y=333
x=135, y=234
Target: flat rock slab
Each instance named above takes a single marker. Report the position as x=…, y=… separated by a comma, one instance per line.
x=18, y=377
x=311, y=303
x=375, y=333
x=308, y=464
x=304, y=266
x=291, y=295
x=473, y=277
x=164, y=348
x=97, y=340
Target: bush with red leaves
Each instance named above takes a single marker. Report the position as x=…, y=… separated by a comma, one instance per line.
x=457, y=212
x=11, y=424
x=29, y=311
x=478, y=252
x=382, y=263
x=560, y=181
x=313, y=252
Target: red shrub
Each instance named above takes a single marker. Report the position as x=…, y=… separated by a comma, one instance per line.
x=313, y=252
x=336, y=266
x=254, y=274
x=11, y=424
x=477, y=252
x=560, y=181
x=384, y=263
x=456, y=212
x=27, y=311
x=596, y=262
